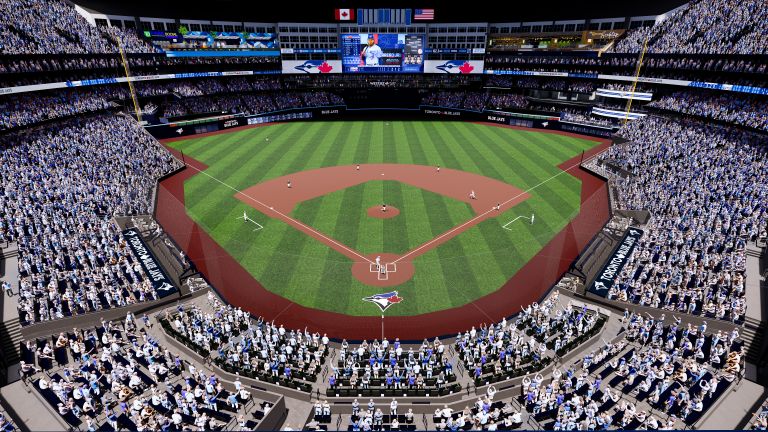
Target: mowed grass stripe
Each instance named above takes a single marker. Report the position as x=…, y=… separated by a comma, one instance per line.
x=504, y=167
x=282, y=266
x=376, y=137
x=313, y=151
x=349, y=145
x=428, y=146
x=396, y=238
x=511, y=166
x=402, y=144
x=371, y=236
x=202, y=186
x=388, y=143
x=459, y=276
x=414, y=144
x=215, y=205
x=340, y=136
x=305, y=280
x=530, y=170
x=440, y=143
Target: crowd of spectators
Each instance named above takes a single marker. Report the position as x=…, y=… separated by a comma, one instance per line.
x=118, y=377
x=760, y=419
x=128, y=40
x=540, y=333
x=373, y=417
x=484, y=414
x=583, y=117
x=193, y=96
x=252, y=348
x=746, y=111
x=655, y=376
x=249, y=104
x=704, y=186
x=62, y=185
x=576, y=86
x=500, y=101
x=367, y=81
x=47, y=27
x=381, y=366
x=706, y=27
x=150, y=64
x=24, y=109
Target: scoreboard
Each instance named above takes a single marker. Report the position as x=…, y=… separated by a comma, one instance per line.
x=382, y=53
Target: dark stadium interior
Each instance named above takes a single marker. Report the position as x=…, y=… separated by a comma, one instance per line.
x=610, y=275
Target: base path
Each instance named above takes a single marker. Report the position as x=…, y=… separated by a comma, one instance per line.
x=275, y=199
x=306, y=185
x=529, y=284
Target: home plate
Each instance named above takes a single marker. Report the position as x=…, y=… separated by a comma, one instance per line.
x=382, y=173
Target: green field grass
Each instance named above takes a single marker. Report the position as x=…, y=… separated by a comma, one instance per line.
x=304, y=270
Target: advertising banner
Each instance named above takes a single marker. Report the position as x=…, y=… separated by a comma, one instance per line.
x=616, y=114
x=453, y=66
x=616, y=262
x=311, y=66
x=162, y=284
x=620, y=94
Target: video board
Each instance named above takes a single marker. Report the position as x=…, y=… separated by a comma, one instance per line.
x=382, y=53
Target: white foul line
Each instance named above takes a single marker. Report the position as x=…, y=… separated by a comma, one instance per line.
x=411, y=252
x=318, y=233
x=510, y=229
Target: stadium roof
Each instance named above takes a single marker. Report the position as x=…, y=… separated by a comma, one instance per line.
x=322, y=11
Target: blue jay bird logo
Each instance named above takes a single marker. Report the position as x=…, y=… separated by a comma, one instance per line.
x=310, y=66
x=456, y=67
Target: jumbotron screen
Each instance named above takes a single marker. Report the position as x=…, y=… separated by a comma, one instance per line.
x=382, y=53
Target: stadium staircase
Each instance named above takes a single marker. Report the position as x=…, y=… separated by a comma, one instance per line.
x=753, y=334
x=10, y=340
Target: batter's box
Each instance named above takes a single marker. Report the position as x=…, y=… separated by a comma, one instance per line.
x=388, y=268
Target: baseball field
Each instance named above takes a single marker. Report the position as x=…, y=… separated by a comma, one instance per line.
x=446, y=249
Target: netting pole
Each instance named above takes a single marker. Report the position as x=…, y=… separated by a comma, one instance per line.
x=128, y=78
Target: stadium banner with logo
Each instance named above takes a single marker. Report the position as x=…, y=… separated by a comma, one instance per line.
x=311, y=66
x=453, y=66
x=116, y=80
x=617, y=114
x=162, y=284
x=616, y=262
x=620, y=94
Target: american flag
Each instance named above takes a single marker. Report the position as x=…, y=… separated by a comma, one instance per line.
x=423, y=14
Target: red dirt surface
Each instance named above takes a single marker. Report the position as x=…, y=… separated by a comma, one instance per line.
x=306, y=185
x=376, y=212
x=529, y=284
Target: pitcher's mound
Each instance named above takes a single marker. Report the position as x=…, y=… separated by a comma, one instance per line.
x=376, y=212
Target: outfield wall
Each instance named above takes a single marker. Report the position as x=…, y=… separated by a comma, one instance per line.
x=522, y=118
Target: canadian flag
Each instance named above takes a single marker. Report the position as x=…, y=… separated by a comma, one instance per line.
x=345, y=14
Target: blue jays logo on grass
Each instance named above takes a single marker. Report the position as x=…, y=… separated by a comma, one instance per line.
x=384, y=301
x=314, y=66
x=456, y=67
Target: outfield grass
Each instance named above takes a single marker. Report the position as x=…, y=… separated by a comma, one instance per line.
x=300, y=268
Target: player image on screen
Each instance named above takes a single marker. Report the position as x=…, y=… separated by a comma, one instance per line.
x=382, y=53
x=371, y=53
